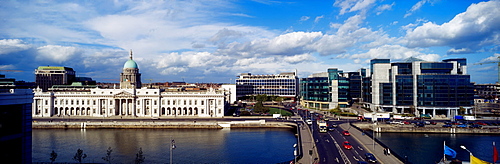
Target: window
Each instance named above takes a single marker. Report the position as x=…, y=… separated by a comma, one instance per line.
x=55, y=102
x=110, y=102
x=168, y=102
x=195, y=102
x=154, y=103
x=46, y=110
x=77, y=102
x=46, y=103
x=189, y=102
x=138, y=102
x=173, y=102
x=202, y=103
x=162, y=102
x=71, y=102
x=94, y=102
x=184, y=102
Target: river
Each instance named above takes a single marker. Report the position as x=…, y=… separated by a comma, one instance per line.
x=192, y=145
x=428, y=148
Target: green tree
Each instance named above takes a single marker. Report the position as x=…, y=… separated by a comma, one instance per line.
x=139, y=158
x=280, y=100
x=79, y=156
x=53, y=156
x=260, y=108
x=108, y=157
x=261, y=98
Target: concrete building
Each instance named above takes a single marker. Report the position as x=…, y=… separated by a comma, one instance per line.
x=15, y=121
x=46, y=76
x=331, y=89
x=128, y=100
x=420, y=87
x=282, y=85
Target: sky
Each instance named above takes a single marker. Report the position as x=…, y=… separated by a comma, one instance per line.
x=214, y=41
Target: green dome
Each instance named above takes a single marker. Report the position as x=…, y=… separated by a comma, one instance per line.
x=130, y=64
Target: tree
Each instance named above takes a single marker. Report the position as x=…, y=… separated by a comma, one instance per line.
x=279, y=100
x=53, y=156
x=139, y=158
x=261, y=98
x=79, y=156
x=108, y=158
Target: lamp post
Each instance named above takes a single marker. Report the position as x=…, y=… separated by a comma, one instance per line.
x=172, y=147
x=295, y=153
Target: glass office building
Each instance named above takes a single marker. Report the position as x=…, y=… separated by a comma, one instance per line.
x=420, y=87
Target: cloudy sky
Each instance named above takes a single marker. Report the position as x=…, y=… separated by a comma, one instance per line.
x=214, y=41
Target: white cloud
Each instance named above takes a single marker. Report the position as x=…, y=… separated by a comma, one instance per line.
x=493, y=58
x=353, y=5
x=395, y=52
x=316, y=20
x=471, y=30
x=56, y=53
x=384, y=7
x=304, y=18
x=12, y=45
x=415, y=7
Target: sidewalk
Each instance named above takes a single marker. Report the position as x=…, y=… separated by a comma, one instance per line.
x=307, y=143
x=367, y=143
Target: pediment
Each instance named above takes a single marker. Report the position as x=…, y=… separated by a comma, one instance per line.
x=123, y=94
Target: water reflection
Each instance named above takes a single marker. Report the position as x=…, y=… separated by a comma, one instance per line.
x=193, y=145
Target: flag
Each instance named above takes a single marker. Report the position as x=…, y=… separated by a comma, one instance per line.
x=474, y=160
x=495, y=153
x=450, y=152
x=173, y=144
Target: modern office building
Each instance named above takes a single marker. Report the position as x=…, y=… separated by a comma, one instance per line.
x=128, y=101
x=331, y=89
x=15, y=121
x=282, y=85
x=420, y=87
x=46, y=76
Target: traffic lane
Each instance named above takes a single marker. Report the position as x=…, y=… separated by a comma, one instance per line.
x=327, y=150
x=356, y=153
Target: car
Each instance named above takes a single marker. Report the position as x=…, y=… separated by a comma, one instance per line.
x=433, y=122
x=309, y=122
x=346, y=133
x=462, y=126
x=420, y=125
x=447, y=126
x=476, y=126
x=347, y=145
x=370, y=158
x=331, y=128
x=361, y=162
x=334, y=125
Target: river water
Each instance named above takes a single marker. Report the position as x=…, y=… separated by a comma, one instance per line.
x=428, y=148
x=192, y=145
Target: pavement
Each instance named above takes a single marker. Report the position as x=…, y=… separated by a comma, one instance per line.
x=307, y=143
x=368, y=144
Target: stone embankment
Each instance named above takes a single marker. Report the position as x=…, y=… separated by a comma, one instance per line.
x=162, y=125
x=382, y=127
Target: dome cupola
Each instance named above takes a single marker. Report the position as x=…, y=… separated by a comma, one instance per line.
x=130, y=63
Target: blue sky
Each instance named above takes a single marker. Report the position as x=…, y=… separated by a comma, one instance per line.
x=214, y=41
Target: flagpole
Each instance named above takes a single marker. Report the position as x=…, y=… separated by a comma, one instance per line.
x=495, y=155
x=444, y=149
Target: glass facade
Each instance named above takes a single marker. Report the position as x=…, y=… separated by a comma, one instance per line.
x=315, y=89
x=445, y=90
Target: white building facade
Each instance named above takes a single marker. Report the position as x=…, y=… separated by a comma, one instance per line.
x=129, y=101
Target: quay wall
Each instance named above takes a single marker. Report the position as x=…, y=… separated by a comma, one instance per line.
x=161, y=125
x=428, y=129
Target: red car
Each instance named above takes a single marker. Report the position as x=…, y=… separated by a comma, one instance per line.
x=346, y=133
x=347, y=145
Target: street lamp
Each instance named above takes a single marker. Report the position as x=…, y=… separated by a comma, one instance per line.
x=295, y=153
x=172, y=147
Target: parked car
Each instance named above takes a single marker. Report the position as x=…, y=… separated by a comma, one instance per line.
x=420, y=124
x=346, y=133
x=347, y=145
x=370, y=158
x=476, y=126
x=462, y=126
x=362, y=162
x=447, y=126
x=433, y=122
x=309, y=122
